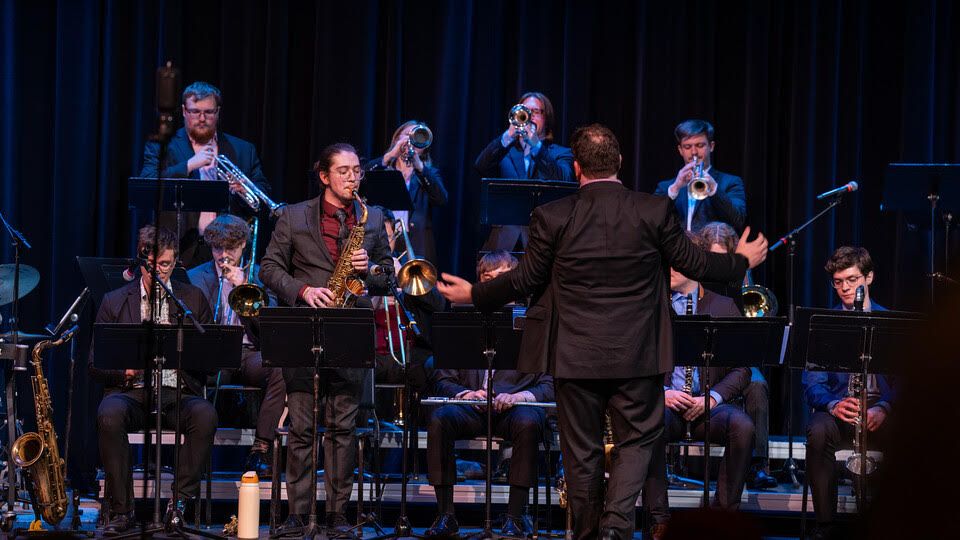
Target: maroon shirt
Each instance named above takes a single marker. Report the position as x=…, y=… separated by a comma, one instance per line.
x=330, y=227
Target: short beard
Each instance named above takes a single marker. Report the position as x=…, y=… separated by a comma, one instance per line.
x=202, y=137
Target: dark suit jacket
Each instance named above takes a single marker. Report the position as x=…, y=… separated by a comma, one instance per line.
x=821, y=388
x=426, y=193
x=204, y=277
x=553, y=162
x=603, y=254
x=123, y=306
x=297, y=257
x=450, y=382
x=179, y=151
x=728, y=382
x=728, y=204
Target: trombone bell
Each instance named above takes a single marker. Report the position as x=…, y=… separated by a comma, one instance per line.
x=417, y=277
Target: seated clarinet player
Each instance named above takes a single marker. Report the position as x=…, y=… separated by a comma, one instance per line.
x=523, y=426
x=684, y=399
x=228, y=236
x=122, y=409
x=832, y=396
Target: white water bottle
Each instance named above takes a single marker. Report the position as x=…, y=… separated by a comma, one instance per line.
x=248, y=513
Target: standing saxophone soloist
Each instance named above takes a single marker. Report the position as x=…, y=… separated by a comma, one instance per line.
x=308, y=242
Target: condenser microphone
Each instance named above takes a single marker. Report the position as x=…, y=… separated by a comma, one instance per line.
x=858, y=299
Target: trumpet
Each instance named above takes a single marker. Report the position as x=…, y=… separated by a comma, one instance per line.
x=519, y=117
x=420, y=137
x=698, y=188
x=249, y=191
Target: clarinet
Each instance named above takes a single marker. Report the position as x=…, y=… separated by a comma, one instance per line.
x=688, y=370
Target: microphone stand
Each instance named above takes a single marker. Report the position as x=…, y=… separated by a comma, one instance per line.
x=10, y=516
x=790, y=469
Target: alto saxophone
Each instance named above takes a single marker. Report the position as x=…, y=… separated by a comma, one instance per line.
x=344, y=283
x=37, y=451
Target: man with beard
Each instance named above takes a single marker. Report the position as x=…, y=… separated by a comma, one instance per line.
x=192, y=153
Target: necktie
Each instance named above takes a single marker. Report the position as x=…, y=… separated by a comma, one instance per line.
x=342, y=235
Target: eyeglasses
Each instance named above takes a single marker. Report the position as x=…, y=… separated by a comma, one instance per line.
x=346, y=172
x=163, y=265
x=196, y=113
x=534, y=110
x=851, y=281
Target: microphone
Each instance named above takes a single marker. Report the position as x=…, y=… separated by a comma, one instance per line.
x=131, y=273
x=849, y=186
x=858, y=299
x=381, y=269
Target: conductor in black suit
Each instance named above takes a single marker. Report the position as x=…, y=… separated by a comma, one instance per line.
x=424, y=185
x=726, y=200
x=192, y=153
x=602, y=324
x=529, y=153
x=122, y=409
x=308, y=240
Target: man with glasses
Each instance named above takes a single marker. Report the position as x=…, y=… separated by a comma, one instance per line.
x=831, y=427
x=725, y=201
x=308, y=240
x=192, y=153
x=530, y=153
x=122, y=409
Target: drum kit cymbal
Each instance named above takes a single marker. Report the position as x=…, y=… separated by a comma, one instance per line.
x=29, y=278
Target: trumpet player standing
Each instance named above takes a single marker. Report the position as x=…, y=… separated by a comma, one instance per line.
x=703, y=194
x=836, y=413
x=192, y=153
x=409, y=153
x=525, y=150
x=227, y=237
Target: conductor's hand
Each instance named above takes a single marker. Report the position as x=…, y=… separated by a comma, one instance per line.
x=359, y=261
x=755, y=251
x=678, y=401
x=847, y=409
x=455, y=289
x=318, y=297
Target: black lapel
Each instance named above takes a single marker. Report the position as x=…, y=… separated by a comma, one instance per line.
x=516, y=158
x=312, y=213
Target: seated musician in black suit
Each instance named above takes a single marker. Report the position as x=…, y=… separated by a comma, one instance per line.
x=523, y=426
x=729, y=425
x=227, y=236
x=122, y=409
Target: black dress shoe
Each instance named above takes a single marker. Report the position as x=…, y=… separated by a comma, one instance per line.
x=445, y=526
x=759, y=479
x=337, y=523
x=119, y=524
x=293, y=526
x=514, y=527
x=608, y=534
x=258, y=463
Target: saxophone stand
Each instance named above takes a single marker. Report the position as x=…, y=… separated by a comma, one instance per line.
x=403, y=529
x=861, y=343
x=319, y=339
x=790, y=471
x=725, y=342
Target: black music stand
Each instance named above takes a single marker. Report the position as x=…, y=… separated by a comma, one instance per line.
x=510, y=201
x=124, y=345
x=704, y=341
x=851, y=342
x=386, y=188
x=178, y=195
x=479, y=341
x=317, y=338
x=920, y=188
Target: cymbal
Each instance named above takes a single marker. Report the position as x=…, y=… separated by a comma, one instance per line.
x=29, y=278
x=23, y=337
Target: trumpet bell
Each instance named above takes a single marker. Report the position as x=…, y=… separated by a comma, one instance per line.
x=698, y=189
x=519, y=116
x=417, y=277
x=758, y=301
x=421, y=137
x=247, y=299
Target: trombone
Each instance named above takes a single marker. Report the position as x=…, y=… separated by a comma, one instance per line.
x=758, y=301
x=249, y=191
x=416, y=277
x=246, y=300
